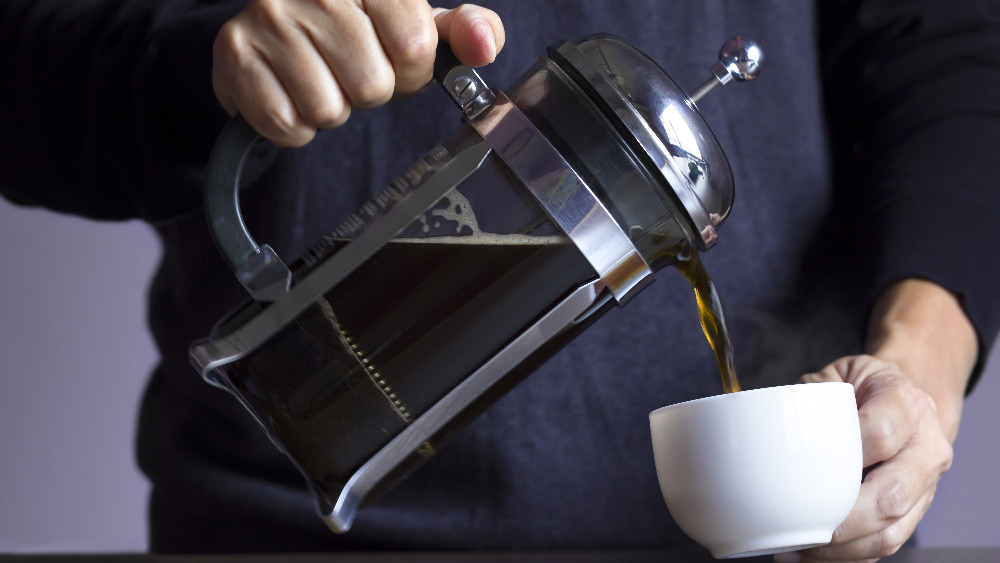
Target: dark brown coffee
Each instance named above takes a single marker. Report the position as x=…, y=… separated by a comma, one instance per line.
x=396, y=335
x=713, y=320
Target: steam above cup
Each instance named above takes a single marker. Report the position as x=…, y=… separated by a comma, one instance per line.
x=761, y=471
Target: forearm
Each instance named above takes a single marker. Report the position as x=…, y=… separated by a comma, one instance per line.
x=911, y=90
x=106, y=106
x=922, y=328
x=62, y=81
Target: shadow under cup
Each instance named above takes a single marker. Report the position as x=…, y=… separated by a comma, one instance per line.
x=760, y=471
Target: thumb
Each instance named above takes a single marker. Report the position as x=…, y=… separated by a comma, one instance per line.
x=475, y=34
x=835, y=371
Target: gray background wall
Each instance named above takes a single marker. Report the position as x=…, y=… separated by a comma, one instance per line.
x=75, y=354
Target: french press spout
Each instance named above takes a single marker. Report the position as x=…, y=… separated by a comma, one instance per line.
x=552, y=202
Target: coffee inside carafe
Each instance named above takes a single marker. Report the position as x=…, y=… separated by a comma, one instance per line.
x=353, y=371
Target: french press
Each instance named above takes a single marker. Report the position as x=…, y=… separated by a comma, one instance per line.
x=547, y=207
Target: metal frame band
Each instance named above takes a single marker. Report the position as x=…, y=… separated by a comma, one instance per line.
x=565, y=196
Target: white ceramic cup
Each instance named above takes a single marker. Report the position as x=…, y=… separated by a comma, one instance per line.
x=760, y=471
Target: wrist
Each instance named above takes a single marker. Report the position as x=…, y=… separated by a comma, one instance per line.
x=922, y=328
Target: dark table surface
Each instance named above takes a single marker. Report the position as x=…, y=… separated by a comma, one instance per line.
x=910, y=555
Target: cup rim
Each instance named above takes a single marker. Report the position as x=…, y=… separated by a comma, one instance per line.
x=744, y=393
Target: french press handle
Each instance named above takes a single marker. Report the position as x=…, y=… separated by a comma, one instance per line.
x=258, y=267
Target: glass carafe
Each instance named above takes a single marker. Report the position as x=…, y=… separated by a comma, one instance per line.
x=549, y=205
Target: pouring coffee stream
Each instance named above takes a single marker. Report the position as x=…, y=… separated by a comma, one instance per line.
x=551, y=204
x=739, y=59
x=712, y=318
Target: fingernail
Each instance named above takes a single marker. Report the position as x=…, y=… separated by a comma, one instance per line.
x=790, y=557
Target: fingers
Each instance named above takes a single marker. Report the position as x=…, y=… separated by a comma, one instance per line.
x=291, y=67
x=881, y=542
x=892, y=501
x=827, y=374
x=907, y=451
x=891, y=409
x=408, y=44
x=888, y=403
x=294, y=66
x=246, y=78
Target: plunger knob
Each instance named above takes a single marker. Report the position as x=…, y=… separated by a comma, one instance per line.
x=739, y=59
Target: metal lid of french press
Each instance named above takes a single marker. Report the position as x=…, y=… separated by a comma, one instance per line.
x=664, y=120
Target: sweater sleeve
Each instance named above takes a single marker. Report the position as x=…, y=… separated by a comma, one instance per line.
x=106, y=106
x=912, y=90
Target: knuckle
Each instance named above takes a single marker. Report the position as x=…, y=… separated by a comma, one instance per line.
x=880, y=438
x=329, y=117
x=295, y=139
x=941, y=452
x=230, y=45
x=413, y=63
x=283, y=120
x=416, y=50
x=923, y=403
x=271, y=11
x=333, y=7
x=373, y=89
x=466, y=10
x=892, y=501
x=326, y=111
x=945, y=454
x=840, y=535
x=890, y=540
x=285, y=129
